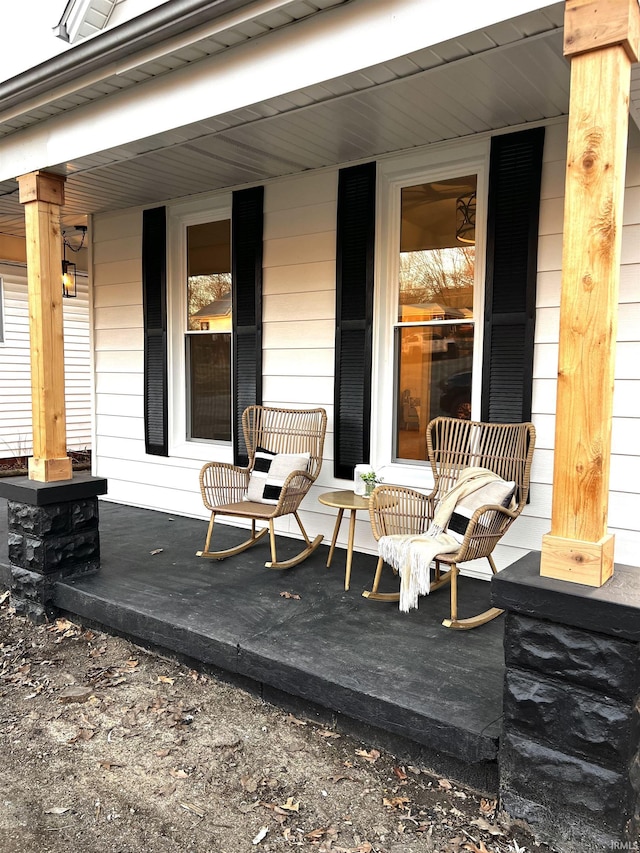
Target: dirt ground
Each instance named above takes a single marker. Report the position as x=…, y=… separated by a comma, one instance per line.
x=108, y=748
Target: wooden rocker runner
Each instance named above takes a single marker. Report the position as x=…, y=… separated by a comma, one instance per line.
x=284, y=447
x=452, y=446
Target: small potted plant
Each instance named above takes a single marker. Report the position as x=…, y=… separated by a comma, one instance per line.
x=371, y=480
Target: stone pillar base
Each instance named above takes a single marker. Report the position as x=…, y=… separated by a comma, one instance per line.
x=569, y=759
x=52, y=534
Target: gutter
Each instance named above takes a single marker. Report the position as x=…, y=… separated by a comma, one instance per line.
x=165, y=21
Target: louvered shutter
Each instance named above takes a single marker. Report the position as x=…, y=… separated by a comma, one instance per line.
x=246, y=265
x=154, y=308
x=511, y=269
x=354, y=316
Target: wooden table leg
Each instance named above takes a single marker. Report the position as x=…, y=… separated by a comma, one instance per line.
x=335, y=536
x=352, y=530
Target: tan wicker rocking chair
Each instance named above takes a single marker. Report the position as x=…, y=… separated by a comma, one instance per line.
x=452, y=444
x=224, y=487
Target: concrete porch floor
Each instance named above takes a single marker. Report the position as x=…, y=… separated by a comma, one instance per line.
x=417, y=687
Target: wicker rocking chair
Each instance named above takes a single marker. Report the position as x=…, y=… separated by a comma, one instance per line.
x=267, y=433
x=452, y=445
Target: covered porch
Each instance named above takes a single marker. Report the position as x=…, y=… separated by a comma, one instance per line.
x=401, y=680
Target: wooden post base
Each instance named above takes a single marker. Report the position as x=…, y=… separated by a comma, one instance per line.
x=589, y=563
x=50, y=470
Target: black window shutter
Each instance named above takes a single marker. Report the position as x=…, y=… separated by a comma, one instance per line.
x=154, y=309
x=246, y=266
x=354, y=317
x=512, y=247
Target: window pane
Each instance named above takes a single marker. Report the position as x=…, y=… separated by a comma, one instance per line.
x=433, y=378
x=209, y=330
x=437, y=270
x=209, y=276
x=209, y=365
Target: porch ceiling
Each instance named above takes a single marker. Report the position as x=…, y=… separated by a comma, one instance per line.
x=506, y=75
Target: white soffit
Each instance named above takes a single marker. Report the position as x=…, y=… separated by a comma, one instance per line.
x=504, y=76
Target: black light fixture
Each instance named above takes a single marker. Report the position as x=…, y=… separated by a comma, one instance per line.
x=466, y=218
x=68, y=276
x=69, y=269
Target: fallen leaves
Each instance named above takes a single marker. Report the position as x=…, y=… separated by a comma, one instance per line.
x=296, y=722
x=395, y=802
x=75, y=694
x=293, y=595
x=480, y=847
x=370, y=755
x=58, y=810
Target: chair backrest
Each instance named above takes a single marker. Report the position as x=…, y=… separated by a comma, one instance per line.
x=505, y=449
x=286, y=431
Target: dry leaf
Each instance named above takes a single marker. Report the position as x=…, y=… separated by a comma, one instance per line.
x=162, y=753
x=61, y=625
x=249, y=783
x=326, y=733
x=488, y=807
x=290, y=806
x=132, y=662
x=109, y=765
x=296, y=722
x=293, y=595
x=5, y=596
x=340, y=776
x=261, y=835
x=83, y=734
x=178, y=774
x=473, y=848
x=400, y=773
x=58, y=810
x=75, y=694
x=164, y=679
x=372, y=755
x=156, y=551
x=190, y=807
x=445, y=783
x=315, y=834
x=484, y=824
x=395, y=802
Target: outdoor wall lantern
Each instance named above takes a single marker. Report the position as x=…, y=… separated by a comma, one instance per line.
x=68, y=278
x=466, y=218
x=69, y=269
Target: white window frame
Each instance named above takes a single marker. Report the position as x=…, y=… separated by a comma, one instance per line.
x=179, y=218
x=437, y=163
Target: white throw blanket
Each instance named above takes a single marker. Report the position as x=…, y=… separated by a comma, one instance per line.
x=412, y=555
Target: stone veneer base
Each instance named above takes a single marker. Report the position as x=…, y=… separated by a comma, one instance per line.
x=52, y=535
x=569, y=759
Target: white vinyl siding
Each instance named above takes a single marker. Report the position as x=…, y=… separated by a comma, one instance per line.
x=16, y=434
x=298, y=359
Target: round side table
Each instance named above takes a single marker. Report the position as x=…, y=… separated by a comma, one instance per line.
x=344, y=500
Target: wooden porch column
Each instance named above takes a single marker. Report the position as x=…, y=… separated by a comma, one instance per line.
x=601, y=37
x=42, y=194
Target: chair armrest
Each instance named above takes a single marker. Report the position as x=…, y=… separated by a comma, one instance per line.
x=486, y=527
x=222, y=483
x=399, y=510
x=294, y=488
